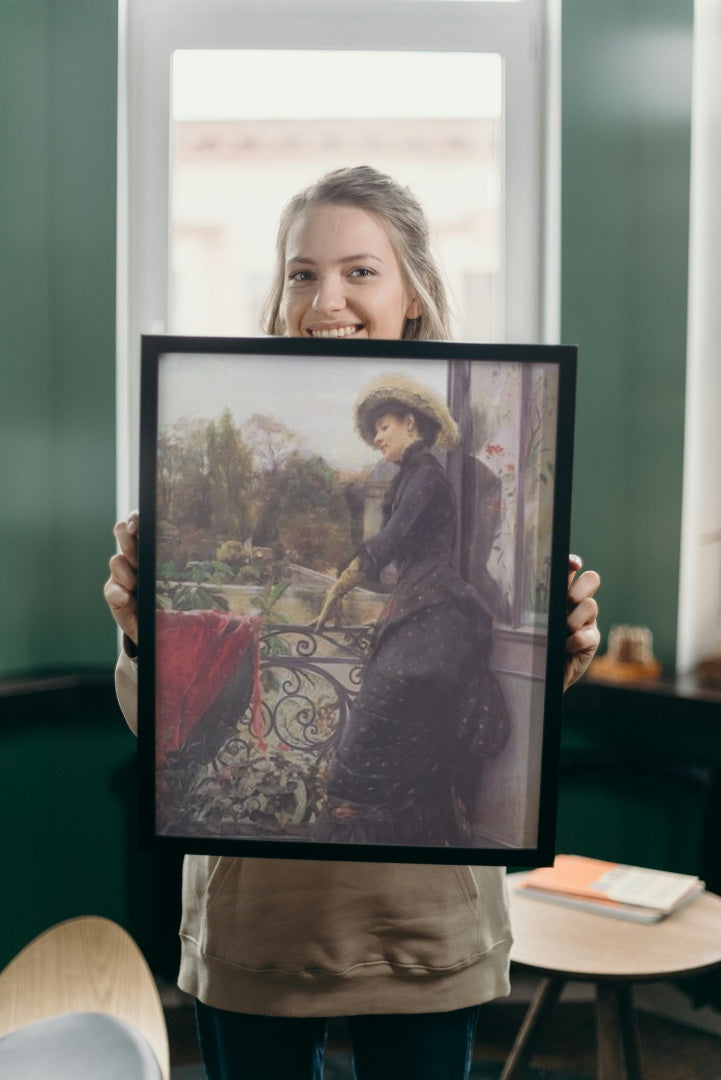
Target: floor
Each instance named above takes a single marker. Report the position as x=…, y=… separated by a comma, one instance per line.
x=669, y=1051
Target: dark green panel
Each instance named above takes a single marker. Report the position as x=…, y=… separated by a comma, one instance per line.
x=58, y=80
x=83, y=73
x=64, y=787
x=68, y=786
x=641, y=777
x=626, y=817
x=626, y=145
x=26, y=396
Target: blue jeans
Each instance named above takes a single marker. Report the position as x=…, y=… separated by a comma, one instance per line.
x=414, y=1046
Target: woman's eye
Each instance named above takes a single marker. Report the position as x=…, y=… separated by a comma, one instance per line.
x=362, y=272
x=299, y=276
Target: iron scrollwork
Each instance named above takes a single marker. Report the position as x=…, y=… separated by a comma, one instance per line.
x=309, y=679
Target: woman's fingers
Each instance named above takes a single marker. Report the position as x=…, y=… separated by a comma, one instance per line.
x=582, y=633
x=121, y=587
x=126, y=534
x=119, y=597
x=575, y=562
x=582, y=609
x=123, y=606
x=330, y=607
x=123, y=572
x=588, y=637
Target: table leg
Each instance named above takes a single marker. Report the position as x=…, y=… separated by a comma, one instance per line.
x=545, y=997
x=617, y=1033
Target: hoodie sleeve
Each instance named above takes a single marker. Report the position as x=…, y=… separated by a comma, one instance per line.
x=126, y=688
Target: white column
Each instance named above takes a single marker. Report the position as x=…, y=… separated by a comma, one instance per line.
x=700, y=581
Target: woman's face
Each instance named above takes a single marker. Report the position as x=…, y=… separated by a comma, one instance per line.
x=342, y=277
x=394, y=434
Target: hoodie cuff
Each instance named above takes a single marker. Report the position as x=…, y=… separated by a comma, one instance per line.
x=130, y=648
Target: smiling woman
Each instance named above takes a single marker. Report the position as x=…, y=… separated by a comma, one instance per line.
x=353, y=259
x=343, y=277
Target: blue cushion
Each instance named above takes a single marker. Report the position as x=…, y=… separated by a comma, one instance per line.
x=78, y=1046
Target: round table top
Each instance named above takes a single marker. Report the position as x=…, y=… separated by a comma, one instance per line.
x=559, y=940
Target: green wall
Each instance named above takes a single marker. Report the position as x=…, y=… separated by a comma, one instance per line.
x=625, y=199
x=66, y=758
x=58, y=73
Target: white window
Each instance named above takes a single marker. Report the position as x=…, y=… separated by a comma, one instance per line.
x=236, y=157
x=227, y=107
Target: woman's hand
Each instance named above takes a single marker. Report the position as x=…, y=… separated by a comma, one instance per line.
x=121, y=587
x=351, y=576
x=582, y=633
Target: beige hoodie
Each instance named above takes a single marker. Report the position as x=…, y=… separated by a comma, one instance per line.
x=286, y=937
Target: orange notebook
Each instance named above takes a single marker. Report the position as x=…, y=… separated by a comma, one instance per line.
x=631, y=892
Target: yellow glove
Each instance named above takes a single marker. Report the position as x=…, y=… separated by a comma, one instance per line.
x=351, y=576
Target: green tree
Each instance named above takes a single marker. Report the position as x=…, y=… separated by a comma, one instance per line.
x=270, y=440
x=311, y=513
x=183, y=475
x=230, y=473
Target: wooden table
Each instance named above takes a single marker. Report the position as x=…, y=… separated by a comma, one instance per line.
x=562, y=944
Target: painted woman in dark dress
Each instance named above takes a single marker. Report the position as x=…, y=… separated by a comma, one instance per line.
x=399, y=758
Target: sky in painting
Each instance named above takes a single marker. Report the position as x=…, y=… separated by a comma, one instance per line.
x=314, y=398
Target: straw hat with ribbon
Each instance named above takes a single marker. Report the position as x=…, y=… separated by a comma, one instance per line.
x=399, y=389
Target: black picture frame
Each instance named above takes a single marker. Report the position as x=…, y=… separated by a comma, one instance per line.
x=249, y=495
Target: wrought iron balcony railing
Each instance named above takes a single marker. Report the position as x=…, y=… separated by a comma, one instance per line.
x=309, y=680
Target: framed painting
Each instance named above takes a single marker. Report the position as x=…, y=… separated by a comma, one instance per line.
x=352, y=597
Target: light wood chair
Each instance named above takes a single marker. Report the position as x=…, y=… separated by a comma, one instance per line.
x=84, y=965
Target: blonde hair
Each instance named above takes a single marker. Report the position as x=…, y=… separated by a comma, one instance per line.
x=403, y=217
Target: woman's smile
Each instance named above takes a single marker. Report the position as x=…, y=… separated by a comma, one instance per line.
x=342, y=277
x=335, y=331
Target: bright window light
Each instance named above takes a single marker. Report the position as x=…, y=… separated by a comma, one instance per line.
x=434, y=121
x=222, y=84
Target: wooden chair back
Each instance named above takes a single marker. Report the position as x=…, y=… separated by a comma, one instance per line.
x=87, y=964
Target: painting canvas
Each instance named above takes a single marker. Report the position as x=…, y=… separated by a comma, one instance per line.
x=348, y=649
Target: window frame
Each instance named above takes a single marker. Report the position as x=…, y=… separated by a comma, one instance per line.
x=526, y=34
